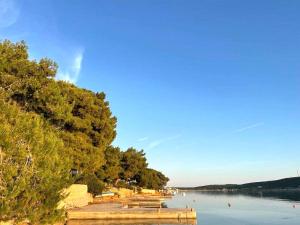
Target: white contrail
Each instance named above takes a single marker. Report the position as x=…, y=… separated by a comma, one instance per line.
x=142, y=139
x=158, y=142
x=249, y=127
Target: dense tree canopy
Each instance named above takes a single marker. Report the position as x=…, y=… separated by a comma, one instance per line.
x=111, y=170
x=84, y=117
x=33, y=170
x=132, y=162
x=135, y=170
x=50, y=127
x=150, y=178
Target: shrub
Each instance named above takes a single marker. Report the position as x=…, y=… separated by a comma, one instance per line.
x=95, y=186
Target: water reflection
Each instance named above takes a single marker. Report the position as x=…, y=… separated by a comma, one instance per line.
x=280, y=195
x=247, y=208
x=283, y=195
x=260, y=208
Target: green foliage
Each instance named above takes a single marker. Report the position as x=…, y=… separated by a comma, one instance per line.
x=47, y=128
x=84, y=117
x=111, y=169
x=152, y=179
x=95, y=186
x=32, y=169
x=14, y=61
x=124, y=184
x=286, y=183
x=90, y=130
x=132, y=162
x=135, y=171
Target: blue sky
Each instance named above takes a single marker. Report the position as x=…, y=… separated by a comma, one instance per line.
x=210, y=89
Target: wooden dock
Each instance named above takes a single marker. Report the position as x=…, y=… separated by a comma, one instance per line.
x=116, y=211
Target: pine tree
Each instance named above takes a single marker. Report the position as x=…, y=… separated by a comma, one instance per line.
x=33, y=171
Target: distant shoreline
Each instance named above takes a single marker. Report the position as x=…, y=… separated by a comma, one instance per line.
x=241, y=190
x=286, y=184
x=284, y=194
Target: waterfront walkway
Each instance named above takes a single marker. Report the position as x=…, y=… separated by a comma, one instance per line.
x=116, y=211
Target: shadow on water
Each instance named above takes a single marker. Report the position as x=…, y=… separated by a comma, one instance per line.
x=282, y=195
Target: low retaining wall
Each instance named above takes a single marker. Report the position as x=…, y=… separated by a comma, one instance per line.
x=122, y=192
x=78, y=196
x=133, y=221
x=148, y=191
x=133, y=214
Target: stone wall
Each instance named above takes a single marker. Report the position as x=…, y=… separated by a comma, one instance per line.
x=122, y=192
x=148, y=191
x=78, y=196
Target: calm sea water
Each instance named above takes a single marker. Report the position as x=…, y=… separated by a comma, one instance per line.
x=212, y=209
x=264, y=209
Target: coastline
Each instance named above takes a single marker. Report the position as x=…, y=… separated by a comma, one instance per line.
x=242, y=190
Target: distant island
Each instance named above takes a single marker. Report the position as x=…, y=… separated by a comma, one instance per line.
x=292, y=183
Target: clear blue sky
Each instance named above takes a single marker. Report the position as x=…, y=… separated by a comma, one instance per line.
x=210, y=89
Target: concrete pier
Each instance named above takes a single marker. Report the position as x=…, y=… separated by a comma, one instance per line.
x=132, y=221
x=115, y=211
x=140, y=204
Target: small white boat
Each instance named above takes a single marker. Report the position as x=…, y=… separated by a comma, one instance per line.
x=106, y=194
x=183, y=194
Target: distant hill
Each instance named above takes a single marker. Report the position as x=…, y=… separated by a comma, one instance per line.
x=286, y=183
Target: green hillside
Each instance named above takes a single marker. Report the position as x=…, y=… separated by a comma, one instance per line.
x=286, y=183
